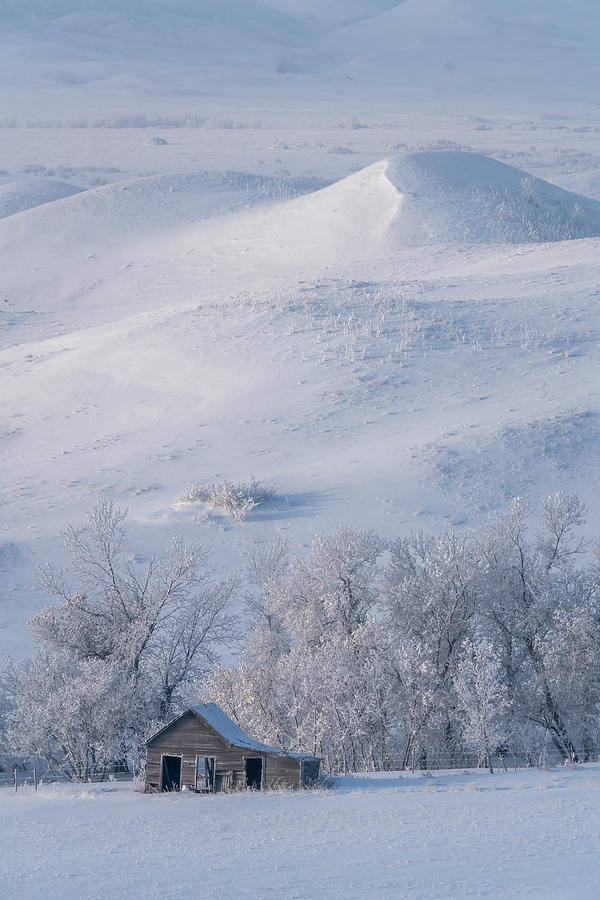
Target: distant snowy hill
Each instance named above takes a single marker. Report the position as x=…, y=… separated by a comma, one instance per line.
x=475, y=47
x=412, y=48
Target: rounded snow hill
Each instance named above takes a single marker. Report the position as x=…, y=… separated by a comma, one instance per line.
x=137, y=206
x=17, y=196
x=451, y=196
x=114, y=247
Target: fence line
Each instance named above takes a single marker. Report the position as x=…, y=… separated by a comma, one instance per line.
x=502, y=759
x=477, y=759
x=35, y=777
x=506, y=759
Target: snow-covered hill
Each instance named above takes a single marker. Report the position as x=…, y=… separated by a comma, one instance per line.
x=467, y=47
x=455, y=196
x=17, y=196
x=174, y=55
x=397, y=350
x=132, y=246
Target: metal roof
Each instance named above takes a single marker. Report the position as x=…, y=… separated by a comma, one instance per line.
x=220, y=722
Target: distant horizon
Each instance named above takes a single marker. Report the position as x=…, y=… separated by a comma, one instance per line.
x=149, y=55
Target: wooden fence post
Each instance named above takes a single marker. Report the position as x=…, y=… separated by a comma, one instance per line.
x=35, y=778
x=16, y=782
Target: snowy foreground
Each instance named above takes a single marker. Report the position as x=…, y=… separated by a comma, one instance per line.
x=527, y=833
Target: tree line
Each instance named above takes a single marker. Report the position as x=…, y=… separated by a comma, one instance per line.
x=369, y=653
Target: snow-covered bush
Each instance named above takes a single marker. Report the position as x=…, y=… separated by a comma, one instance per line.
x=277, y=187
x=235, y=499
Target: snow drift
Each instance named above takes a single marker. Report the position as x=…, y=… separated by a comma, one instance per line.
x=456, y=835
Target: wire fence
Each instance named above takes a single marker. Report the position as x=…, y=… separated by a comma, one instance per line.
x=20, y=778
x=504, y=760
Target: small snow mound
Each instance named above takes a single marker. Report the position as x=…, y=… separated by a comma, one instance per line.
x=17, y=196
x=455, y=196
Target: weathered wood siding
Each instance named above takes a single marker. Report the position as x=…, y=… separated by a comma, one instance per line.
x=282, y=771
x=189, y=737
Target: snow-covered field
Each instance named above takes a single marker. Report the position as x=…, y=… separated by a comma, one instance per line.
x=530, y=833
x=388, y=315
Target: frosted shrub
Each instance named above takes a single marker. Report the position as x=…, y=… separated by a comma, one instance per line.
x=235, y=500
x=274, y=187
x=528, y=185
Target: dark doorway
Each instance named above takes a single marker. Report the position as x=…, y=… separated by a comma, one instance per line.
x=171, y=773
x=254, y=773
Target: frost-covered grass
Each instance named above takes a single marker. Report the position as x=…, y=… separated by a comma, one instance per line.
x=528, y=833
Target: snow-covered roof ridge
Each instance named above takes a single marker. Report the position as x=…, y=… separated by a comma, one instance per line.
x=214, y=716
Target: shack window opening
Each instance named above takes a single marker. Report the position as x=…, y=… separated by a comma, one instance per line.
x=171, y=773
x=205, y=773
x=254, y=773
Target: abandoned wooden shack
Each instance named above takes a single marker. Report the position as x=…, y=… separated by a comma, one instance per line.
x=203, y=750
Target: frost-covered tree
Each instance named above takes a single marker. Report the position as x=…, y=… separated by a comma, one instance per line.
x=123, y=646
x=420, y=712
x=79, y=715
x=528, y=581
x=430, y=597
x=571, y=656
x=9, y=757
x=368, y=654
x=312, y=674
x=160, y=623
x=482, y=698
x=333, y=591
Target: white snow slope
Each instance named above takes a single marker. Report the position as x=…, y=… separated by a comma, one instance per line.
x=455, y=835
x=17, y=196
x=397, y=350
x=454, y=196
